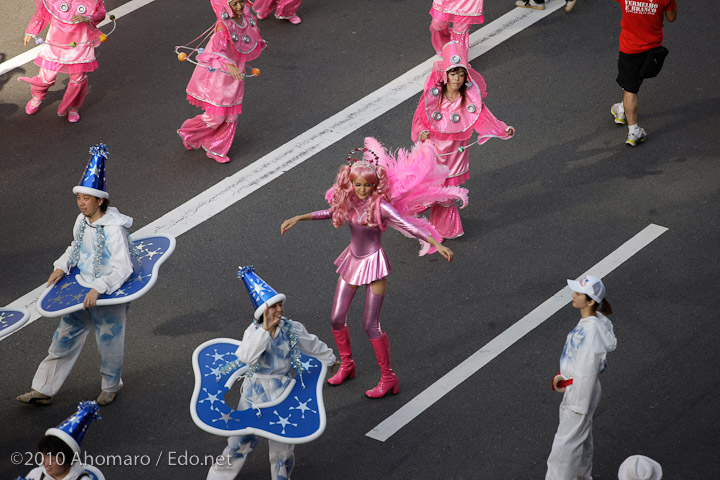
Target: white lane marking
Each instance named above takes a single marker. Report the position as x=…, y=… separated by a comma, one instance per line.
x=236, y=187
x=505, y=340
x=30, y=55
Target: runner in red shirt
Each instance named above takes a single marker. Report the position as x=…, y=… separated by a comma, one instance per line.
x=641, y=38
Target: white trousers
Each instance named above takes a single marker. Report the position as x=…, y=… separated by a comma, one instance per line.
x=68, y=340
x=282, y=458
x=572, y=449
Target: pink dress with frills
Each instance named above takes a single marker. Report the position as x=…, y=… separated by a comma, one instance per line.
x=364, y=260
x=57, y=52
x=217, y=92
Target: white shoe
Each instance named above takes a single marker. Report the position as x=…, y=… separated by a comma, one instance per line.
x=106, y=398
x=619, y=114
x=634, y=139
x=530, y=4
x=569, y=5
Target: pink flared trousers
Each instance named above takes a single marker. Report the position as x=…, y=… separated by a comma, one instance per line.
x=74, y=93
x=213, y=133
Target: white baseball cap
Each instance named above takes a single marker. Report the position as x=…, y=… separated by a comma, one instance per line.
x=590, y=286
x=640, y=467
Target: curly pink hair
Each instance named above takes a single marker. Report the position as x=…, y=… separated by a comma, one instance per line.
x=343, y=193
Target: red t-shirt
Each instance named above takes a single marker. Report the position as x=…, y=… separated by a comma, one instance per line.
x=642, y=24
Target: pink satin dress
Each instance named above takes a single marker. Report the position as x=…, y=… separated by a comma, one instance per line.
x=57, y=52
x=364, y=260
x=217, y=92
x=451, y=124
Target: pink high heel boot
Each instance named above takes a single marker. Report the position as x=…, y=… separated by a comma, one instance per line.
x=347, y=368
x=388, y=380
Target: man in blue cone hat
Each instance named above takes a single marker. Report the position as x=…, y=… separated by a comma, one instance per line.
x=60, y=448
x=100, y=250
x=271, y=348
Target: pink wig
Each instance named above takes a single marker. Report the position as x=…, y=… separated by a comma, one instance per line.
x=342, y=194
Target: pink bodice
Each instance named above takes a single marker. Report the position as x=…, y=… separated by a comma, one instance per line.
x=364, y=260
x=57, y=51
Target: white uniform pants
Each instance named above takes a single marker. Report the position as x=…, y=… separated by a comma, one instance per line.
x=572, y=449
x=68, y=340
x=282, y=458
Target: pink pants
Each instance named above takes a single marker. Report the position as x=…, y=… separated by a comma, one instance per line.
x=74, y=93
x=446, y=220
x=440, y=34
x=213, y=133
x=283, y=8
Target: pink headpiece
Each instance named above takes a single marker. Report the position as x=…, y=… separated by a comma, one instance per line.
x=370, y=158
x=453, y=57
x=222, y=9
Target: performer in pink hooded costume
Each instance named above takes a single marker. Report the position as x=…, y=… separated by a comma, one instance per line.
x=362, y=196
x=449, y=111
x=284, y=9
x=69, y=48
x=462, y=14
x=217, y=84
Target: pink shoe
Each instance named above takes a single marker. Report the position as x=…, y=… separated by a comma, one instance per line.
x=295, y=20
x=388, y=380
x=218, y=158
x=347, y=368
x=32, y=106
x=73, y=116
x=260, y=16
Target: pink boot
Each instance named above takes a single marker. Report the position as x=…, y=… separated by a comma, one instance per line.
x=74, y=96
x=388, y=380
x=347, y=368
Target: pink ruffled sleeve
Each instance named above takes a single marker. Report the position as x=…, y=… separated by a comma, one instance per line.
x=399, y=222
x=322, y=214
x=488, y=125
x=99, y=13
x=420, y=121
x=38, y=22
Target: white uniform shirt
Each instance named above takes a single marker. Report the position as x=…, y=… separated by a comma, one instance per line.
x=75, y=473
x=115, y=263
x=584, y=357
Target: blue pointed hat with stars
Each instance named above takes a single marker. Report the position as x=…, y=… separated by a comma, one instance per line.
x=260, y=292
x=93, y=179
x=72, y=431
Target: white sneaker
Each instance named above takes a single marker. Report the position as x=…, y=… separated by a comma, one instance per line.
x=106, y=398
x=618, y=112
x=530, y=4
x=569, y=5
x=634, y=139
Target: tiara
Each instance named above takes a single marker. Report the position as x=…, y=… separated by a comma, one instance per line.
x=353, y=160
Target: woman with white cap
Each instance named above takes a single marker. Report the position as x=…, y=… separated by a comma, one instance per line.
x=582, y=360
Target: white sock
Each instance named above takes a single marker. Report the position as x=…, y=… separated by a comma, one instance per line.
x=634, y=129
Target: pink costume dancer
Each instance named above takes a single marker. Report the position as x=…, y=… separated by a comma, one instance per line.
x=69, y=48
x=449, y=124
x=235, y=41
x=462, y=14
x=362, y=197
x=284, y=9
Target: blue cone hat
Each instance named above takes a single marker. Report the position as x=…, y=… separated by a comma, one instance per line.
x=260, y=292
x=72, y=431
x=93, y=179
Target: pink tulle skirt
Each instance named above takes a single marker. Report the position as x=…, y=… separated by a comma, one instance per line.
x=214, y=109
x=66, y=67
x=362, y=270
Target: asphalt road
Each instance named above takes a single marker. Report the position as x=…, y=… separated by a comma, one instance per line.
x=545, y=206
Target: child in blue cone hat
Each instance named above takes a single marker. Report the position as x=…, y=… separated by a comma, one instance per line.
x=271, y=348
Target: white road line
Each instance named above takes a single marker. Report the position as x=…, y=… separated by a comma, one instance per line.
x=505, y=340
x=30, y=55
x=236, y=187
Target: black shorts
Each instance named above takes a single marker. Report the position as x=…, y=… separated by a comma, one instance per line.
x=630, y=70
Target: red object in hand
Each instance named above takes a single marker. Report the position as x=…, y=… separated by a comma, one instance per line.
x=559, y=383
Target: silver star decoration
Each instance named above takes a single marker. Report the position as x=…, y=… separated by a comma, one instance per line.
x=151, y=253
x=306, y=365
x=210, y=398
x=284, y=421
x=119, y=292
x=216, y=356
x=302, y=406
